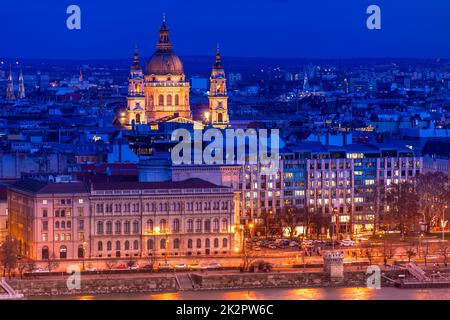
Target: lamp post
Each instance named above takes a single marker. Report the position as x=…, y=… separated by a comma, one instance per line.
x=84, y=254
x=443, y=222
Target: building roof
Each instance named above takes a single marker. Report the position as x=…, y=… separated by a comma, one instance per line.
x=3, y=193
x=34, y=186
x=131, y=185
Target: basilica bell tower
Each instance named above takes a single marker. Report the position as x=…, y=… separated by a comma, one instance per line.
x=218, y=99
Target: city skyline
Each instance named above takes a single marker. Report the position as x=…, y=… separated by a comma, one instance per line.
x=278, y=29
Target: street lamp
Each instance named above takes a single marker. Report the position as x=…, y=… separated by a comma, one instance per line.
x=84, y=254
x=443, y=222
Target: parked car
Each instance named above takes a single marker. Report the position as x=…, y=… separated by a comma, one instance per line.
x=213, y=265
x=181, y=266
x=347, y=243
x=165, y=267
x=257, y=248
x=134, y=267
x=121, y=267
x=148, y=267
x=39, y=270
x=193, y=266
x=261, y=266
x=91, y=269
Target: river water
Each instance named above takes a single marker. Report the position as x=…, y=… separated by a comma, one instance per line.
x=356, y=293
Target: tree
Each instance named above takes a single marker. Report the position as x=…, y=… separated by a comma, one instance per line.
x=9, y=255
x=51, y=262
x=410, y=253
x=403, y=203
x=290, y=220
x=433, y=189
x=110, y=265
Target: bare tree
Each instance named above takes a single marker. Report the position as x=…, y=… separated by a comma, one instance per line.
x=9, y=255
x=434, y=192
x=51, y=262
x=403, y=204
x=110, y=265
x=290, y=219
x=410, y=253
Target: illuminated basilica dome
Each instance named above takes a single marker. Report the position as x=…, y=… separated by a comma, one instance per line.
x=164, y=61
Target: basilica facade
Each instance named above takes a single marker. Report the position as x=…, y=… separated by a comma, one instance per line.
x=161, y=93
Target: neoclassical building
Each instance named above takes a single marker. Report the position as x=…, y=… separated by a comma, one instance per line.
x=161, y=93
x=123, y=220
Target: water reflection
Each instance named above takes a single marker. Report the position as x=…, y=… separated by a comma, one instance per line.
x=359, y=293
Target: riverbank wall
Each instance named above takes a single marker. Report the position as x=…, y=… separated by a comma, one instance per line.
x=200, y=281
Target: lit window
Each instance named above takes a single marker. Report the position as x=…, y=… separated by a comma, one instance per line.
x=80, y=201
x=44, y=201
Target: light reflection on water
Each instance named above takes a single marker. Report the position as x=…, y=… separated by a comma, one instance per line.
x=357, y=293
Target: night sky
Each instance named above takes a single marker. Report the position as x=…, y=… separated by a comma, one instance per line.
x=244, y=28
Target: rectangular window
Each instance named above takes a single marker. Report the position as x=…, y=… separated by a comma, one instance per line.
x=80, y=224
x=80, y=201
x=44, y=225
x=45, y=213
x=45, y=237
x=44, y=201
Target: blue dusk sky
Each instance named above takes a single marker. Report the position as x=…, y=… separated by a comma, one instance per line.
x=244, y=28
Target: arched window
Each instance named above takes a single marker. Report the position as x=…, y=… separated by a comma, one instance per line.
x=224, y=243
x=118, y=227
x=207, y=243
x=216, y=225
x=161, y=100
x=162, y=244
x=190, y=225
x=69, y=224
x=199, y=243
x=150, y=225
x=100, y=246
x=135, y=245
x=63, y=252
x=57, y=225
x=177, y=100
x=169, y=100
x=63, y=224
x=136, y=226
x=127, y=245
x=216, y=243
x=207, y=225
x=138, y=118
x=163, y=225
x=189, y=245
x=100, y=227
x=176, y=225
x=109, y=227
x=80, y=251
x=219, y=117
x=109, y=246
x=224, y=225
x=117, y=245
x=198, y=225
x=176, y=244
x=45, y=254
x=126, y=227
x=149, y=244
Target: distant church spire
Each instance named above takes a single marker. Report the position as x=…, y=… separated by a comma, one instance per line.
x=135, y=66
x=80, y=77
x=10, y=87
x=21, y=85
